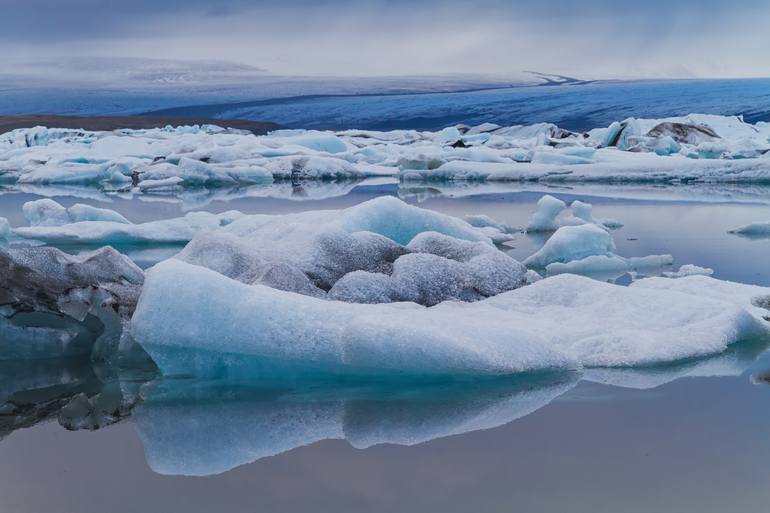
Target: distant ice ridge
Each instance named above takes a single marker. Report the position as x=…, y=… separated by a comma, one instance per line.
x=694, y=148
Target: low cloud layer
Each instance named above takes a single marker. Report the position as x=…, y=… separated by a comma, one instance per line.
x=655, y=38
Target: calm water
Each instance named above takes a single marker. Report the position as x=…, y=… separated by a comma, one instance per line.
x=686, y=437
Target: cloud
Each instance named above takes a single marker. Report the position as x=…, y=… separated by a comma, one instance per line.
x=655, y=38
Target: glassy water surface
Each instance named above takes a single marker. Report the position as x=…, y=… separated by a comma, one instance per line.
x=689, y=436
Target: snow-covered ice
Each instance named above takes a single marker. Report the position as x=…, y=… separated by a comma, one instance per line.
x=694, y=148
x=561, y=322
x=381, y=250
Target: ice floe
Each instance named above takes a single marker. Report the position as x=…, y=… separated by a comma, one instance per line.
x=689, y=270
x=81, y=224
x=548, y=215
x=694, y=148
x=589, y=249
x=561, y=322
x=759, y=230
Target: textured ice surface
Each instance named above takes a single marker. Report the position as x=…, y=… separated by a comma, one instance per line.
x=562, y=322
x=700, y=148
x=407, y=253
x=441, y=268
x=49, y=280
x=755, y=298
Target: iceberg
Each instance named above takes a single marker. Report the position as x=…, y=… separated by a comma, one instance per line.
x=45, y=279
x=548, y=215
x=753, y=230
x=544, y=218
x=84, y=225
x=562, y=322
x=583, y=244
x=5, y=230
x=47, y=212
x=570, y=243
x=694, y=149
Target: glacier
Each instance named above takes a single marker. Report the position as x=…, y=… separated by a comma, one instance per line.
x=695, y=148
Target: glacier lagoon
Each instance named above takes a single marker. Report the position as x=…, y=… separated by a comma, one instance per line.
x=545, y=440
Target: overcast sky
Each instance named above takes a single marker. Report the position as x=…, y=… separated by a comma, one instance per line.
x=588, y=38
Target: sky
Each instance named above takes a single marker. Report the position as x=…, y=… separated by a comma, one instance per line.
x=587, y=39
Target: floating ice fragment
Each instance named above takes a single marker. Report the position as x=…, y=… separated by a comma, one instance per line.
x=47, y=212
x=573, y=243
x=761, y=229
x=544, y=218
x=689, y=270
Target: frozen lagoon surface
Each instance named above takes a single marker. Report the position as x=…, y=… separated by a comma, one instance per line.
x=689, y=436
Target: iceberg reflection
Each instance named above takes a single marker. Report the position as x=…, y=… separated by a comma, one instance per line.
x=198, y=429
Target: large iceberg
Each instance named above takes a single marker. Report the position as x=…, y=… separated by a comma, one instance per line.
x=561, y=322
x=694, y=148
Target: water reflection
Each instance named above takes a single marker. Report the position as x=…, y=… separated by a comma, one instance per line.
x=191, y=428
x=317, y=190
x=199, y=428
